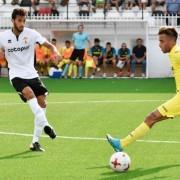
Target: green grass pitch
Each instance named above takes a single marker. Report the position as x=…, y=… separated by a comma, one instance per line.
x=89, y=108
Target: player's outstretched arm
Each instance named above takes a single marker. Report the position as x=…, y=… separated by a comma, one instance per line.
x=52, y=48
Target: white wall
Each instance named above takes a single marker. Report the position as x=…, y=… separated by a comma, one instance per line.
x=158, y=63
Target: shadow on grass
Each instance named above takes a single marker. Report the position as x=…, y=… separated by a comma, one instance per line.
x=138, y=173
x=21, y=155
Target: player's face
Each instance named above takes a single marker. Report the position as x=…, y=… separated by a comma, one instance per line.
x=19, y=23
x=96, y=43
x=123, y=46
x=139, y=42
x=164, y=43
x=67, y=45
x=80, y=29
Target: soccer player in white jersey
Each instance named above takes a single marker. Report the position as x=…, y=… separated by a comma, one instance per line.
x=18, y=46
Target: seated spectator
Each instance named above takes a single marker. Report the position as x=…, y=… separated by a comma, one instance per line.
x=89, y=63
x=173, y=9
x=42, y=59
x=158, y=7
x=109, y=57
x=15, y=2
x=3, y=62
x=142, y=4
x=65, y=61
x=97, y=54
x=139, y=57
x=123, y=59
x=4, y=1
x=84, y=7
x=129, y=4
x=98, y=4
x=53, y=59
x=111, y=3
x=45, y=10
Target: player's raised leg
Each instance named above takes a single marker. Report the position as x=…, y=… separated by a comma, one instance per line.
x=140, y=131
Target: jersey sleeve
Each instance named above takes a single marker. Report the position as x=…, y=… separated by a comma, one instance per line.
x=38, y=38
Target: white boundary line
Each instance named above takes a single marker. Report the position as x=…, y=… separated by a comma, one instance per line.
x=85, y=138
x=89, y=102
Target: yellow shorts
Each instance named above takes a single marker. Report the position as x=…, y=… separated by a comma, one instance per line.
x=65, y=61
x=171, y=108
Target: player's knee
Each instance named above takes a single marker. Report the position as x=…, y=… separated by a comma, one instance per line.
x=151, y=119
x=28, y=93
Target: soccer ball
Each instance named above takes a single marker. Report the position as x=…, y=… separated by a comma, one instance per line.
x=120, y=162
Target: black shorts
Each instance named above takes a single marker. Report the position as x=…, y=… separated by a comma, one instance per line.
x=35, y=84
x=77, y=54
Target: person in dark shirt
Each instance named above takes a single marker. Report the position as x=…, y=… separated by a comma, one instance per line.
x=109, y=57
x=97, y=54
x=123, y=59
x=139, y=57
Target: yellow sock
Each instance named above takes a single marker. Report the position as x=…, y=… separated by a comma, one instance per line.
x=60, y=64
x=70, y=70
x=75, y=70
x=86, y=71
x=140, y=131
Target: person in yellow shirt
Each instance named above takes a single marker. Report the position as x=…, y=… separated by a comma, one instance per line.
x=167, y=42
x=65, y=61
x=89, y=63
x=42, y=59
x=53, y=59
x=3, y=62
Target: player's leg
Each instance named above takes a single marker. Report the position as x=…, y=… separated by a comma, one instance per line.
x=140, y=131
x=66, y=67
x=128, y=64
x=35, y=94
x=104, y=66
x=167, y=110
x=42, y=103
x=133, y=67
x=74, y=70
x=114, y=66
x=80, y=62
x=144, y=68
x=73, y=58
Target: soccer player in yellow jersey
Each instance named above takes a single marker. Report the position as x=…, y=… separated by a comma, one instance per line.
x=65, y=61
x=167, y=42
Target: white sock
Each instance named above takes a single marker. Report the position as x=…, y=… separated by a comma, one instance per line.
x=40, y=119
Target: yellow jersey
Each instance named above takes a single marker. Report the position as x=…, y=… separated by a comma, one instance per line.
x=174, y=57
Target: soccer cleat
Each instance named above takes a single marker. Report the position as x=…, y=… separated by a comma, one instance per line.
x=114, y=142
x=50, y=132
x=36, y=147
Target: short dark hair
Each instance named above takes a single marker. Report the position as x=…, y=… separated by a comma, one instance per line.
x=138, y=39
x=68, y=42
x=108, y=43
x=53, y=39
x=169, y=31
x=96, y=40
x=18, y=12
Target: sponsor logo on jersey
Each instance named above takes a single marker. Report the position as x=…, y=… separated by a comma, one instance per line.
x=9, y=41
x=25, y=40
x=18, y=49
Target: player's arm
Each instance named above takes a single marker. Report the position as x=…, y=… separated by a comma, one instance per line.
x=51, y=47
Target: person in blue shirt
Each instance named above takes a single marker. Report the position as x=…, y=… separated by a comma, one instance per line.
x=109, y=57
x=123, y=59
x=80, y=40
x=97, y=54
